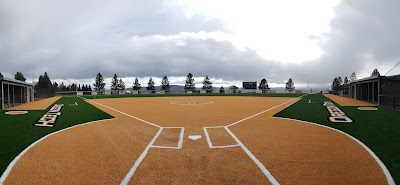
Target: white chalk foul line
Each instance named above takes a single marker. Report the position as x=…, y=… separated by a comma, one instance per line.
x=12, y=164
x=244, y=119
x=140, y=159
x=144, y=121
x=258, y=163
x=389, y=177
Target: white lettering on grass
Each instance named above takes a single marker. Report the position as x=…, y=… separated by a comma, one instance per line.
x=337, y=115
x=50, y=118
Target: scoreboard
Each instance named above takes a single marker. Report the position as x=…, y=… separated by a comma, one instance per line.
x=249, y=85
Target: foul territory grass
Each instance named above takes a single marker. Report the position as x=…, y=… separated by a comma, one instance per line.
x=379, y=130
x=17, y=131
x=168, y=95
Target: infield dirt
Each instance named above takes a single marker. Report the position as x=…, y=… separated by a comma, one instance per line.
x=343, y=101
x=103, y=152
x=37, y=105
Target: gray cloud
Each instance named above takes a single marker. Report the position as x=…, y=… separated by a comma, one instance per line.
x=75, y=40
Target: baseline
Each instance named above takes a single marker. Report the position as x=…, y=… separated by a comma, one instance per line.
x=128, y=176
x=244, y=119
x=144, y=121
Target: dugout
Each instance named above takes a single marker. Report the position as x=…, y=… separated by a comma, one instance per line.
x=14, y=92
x=382, y=90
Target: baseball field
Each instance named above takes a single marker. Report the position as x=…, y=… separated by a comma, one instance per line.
x=158, y=139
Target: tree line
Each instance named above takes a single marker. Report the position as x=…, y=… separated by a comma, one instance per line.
x=117, y=84
x=339, y=84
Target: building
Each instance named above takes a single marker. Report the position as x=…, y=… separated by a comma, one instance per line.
x=14, y=92
x=382, y=90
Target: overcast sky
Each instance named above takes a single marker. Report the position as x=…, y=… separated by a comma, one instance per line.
x=230, y=41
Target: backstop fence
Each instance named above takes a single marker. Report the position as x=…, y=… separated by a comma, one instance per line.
x=43, y=93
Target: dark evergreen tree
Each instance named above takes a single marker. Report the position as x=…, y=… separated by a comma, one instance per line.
x=121, y=84
x=136, y=85
x=19, y=76
x=90, y=88
x=221, y=90
x=114, y=83
x=165, y=83
x=79, y=87
x=263, y=85
x=233, y=88
x=340, y=81
x=99, y=83
x=346, y=86
x=190, y=85
x=55, y=86
x=207, y=85
x=290, y=85
x=375, y=73
x=73, y=87
x=150, y=85
x=353, y=76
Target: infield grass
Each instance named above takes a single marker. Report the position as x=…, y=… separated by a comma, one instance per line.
x=379, y=130
x=17, y=131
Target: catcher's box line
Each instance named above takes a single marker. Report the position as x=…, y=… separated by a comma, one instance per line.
x=12, y=164
x=389, y=177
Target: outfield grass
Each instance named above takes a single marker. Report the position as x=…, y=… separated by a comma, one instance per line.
x=169, y=95
x=379, y=130
x=17, y=131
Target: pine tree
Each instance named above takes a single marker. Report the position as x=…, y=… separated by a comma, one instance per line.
x=61, y=87
x=221, y=90
x=207, y=85
x=19, y=76
x=55, y=86
x=114, y=83
x=335, y=84
x=99, y=83
x=190, y=85
x=121, y=84
x=46, y=81
x=165, y=83
x=353, y=76
x=340, y=81
x=264, y=85
x=90, y=88
x=79, y=87
x=346, y=86
x=290, y=85
x=136, y=85
x=233, y=88
x=375, y=73
x=150, y=85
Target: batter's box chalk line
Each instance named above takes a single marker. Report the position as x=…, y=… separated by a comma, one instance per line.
x=210, y=145
x=180, y=142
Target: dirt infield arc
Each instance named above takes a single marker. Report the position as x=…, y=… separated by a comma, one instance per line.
x=104, y=152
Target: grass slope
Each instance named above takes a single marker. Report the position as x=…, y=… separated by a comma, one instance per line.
x=379, y=130
x=17, y=131
x=168, y=95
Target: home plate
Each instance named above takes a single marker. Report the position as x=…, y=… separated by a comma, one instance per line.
x=194, y=136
